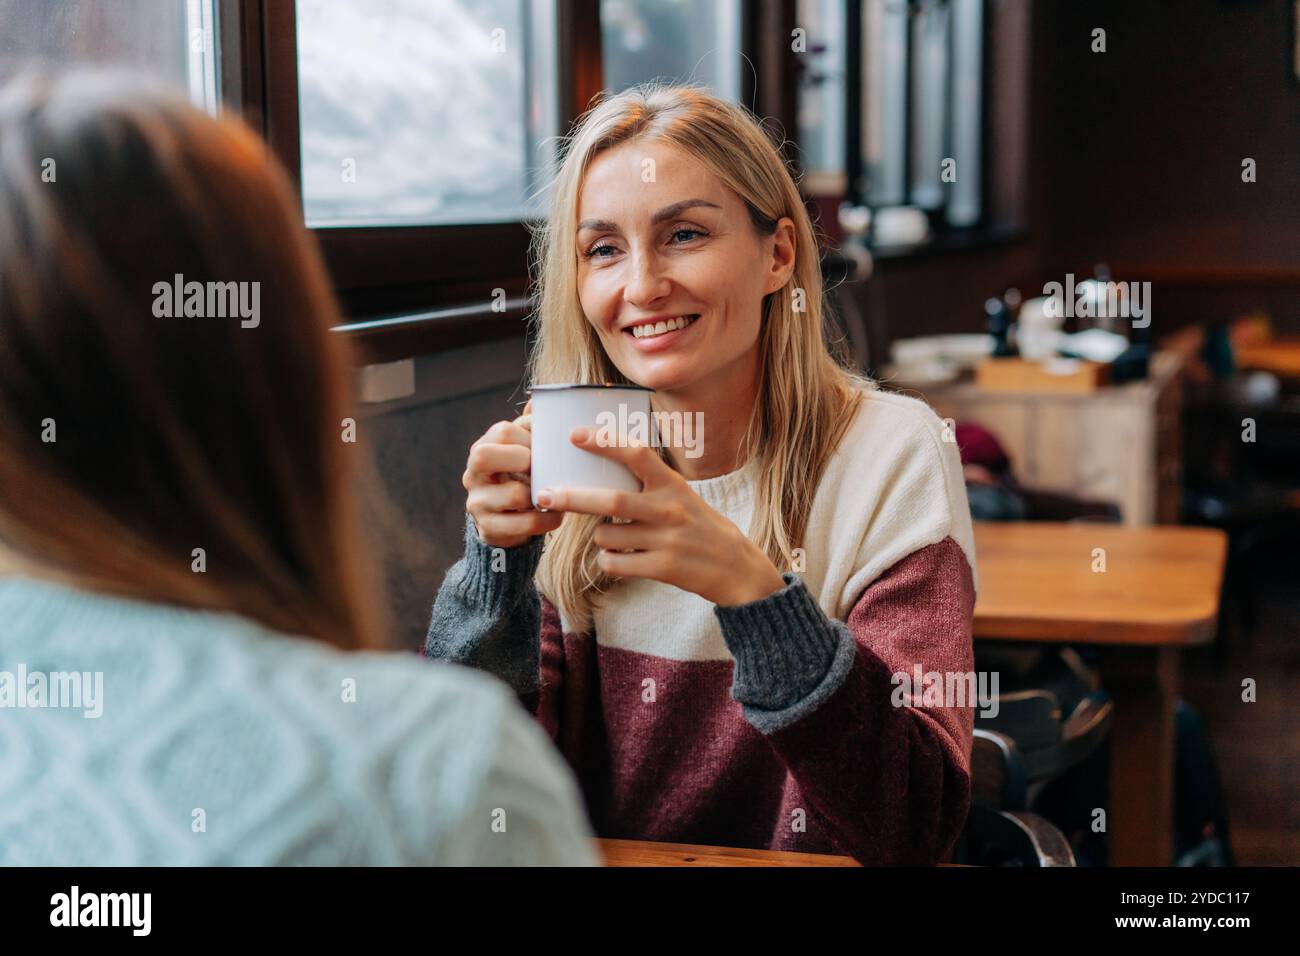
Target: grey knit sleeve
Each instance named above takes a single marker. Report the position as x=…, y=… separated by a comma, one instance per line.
x=488, y=612
x=790, y=657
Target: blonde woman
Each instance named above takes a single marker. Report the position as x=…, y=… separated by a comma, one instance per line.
x=719, y=665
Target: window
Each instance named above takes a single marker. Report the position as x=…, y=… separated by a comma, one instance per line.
x=684, y=40
x=421, y=133
x=885, y=45
x=965, y=207
x=922, y=106
x=821, y=52
x=175, y=40
x=418, y=113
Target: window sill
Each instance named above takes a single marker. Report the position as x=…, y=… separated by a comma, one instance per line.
x=390, y=338
x=951, y=242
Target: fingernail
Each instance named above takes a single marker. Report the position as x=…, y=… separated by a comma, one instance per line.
x=580, y=434
x=544, y=498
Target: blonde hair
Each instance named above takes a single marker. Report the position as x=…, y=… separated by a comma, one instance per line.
x=806, y=396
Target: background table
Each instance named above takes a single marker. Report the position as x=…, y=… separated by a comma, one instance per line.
x=1158, y=594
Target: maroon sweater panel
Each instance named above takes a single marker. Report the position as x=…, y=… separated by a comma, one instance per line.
x=663, y=752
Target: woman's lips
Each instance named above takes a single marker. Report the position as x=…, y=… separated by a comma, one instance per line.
x=665, y=340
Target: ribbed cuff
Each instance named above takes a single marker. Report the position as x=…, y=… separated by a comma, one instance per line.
x=784, y=646
x=496, y=577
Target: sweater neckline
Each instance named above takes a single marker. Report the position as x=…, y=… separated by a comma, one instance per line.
x=730, y=489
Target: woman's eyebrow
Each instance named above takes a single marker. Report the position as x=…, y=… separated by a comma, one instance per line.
x=663, y=215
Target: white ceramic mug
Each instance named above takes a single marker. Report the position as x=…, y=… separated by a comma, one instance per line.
x=557, y=411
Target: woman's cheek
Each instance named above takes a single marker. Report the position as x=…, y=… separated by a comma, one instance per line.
x=599, y=292
x=719, y=277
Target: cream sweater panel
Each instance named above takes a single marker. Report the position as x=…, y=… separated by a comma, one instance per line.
x=893, y=486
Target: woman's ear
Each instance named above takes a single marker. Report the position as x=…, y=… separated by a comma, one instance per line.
x=783, y=255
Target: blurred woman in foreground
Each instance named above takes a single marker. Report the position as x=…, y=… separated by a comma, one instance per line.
x=186, y=663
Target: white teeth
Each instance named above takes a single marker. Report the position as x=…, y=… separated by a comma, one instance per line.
x=659, y=328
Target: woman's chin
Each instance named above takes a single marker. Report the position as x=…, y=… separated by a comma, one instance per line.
x=665, y=376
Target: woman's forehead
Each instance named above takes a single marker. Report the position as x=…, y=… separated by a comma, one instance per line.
x=638, y=178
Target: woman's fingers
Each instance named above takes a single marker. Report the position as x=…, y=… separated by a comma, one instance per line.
x=642, y=460
x=626, y=537
x=640, y=564
x=503, y=496
x=507, y=433
x=489, y=459
x=506, y=525
x=630, y=505
x=497, y=479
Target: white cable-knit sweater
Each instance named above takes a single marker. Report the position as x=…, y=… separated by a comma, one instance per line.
x=218, y=742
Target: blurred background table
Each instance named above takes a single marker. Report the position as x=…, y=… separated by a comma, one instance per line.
x=1159, y=593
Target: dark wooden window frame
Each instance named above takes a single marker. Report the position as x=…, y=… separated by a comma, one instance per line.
x=415, y=290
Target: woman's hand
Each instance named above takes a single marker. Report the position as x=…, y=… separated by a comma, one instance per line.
x=496, y=478
x=675, y=536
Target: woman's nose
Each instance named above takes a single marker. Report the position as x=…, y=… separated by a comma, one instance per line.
x=647, y=282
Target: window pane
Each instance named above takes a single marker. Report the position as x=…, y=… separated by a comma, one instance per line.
x=968, y=98
x=930, y=103
x=415, y=112
x=172, y=39
x=678, y=40
x=884, y=42
x=822, y=91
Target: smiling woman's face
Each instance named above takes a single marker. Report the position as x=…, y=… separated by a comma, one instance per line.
x=682, y=251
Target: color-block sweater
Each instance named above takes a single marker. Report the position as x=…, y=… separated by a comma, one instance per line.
x=778, y=723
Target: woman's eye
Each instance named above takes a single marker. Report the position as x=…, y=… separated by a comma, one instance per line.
x=677, y=237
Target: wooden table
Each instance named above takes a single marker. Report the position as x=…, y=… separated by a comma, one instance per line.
x=1040, y=582
x=646, y=853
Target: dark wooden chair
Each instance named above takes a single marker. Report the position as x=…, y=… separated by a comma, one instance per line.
x=1048, y=744
x=999, y=830
x=1058, y=720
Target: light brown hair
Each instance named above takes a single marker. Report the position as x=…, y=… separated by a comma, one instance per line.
x=170, y=433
